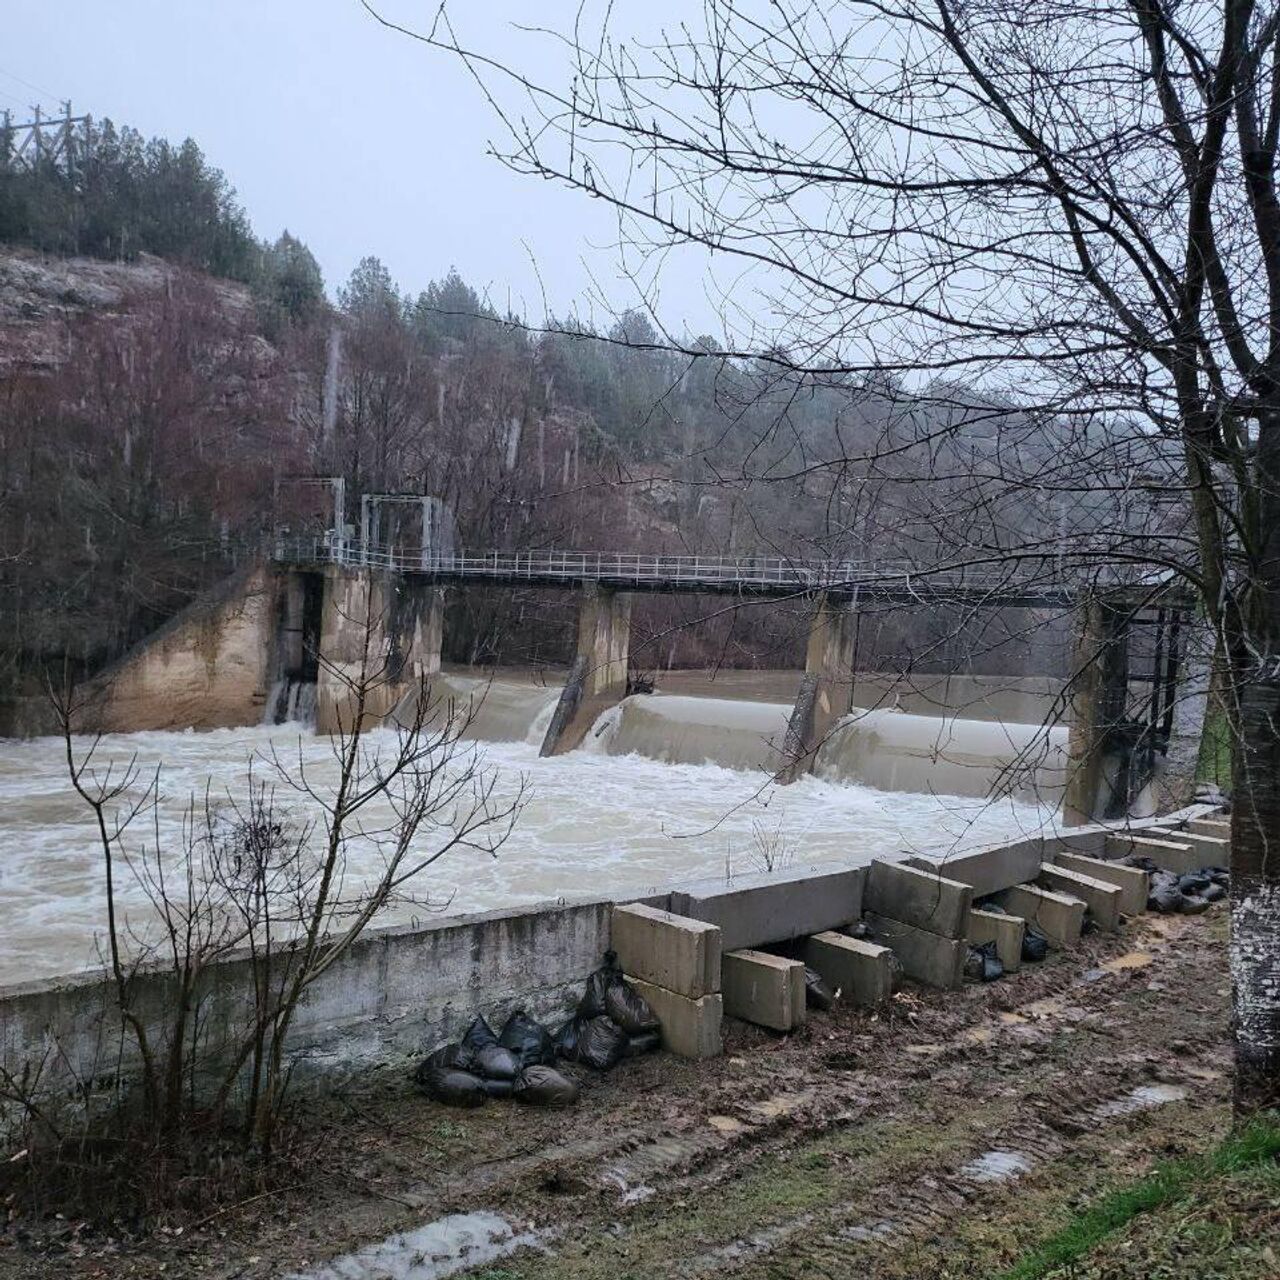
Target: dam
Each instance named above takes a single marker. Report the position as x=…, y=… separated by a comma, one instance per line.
x=625, y=793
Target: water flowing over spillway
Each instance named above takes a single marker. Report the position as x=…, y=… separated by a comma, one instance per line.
x=671, y=789
x=886, y=749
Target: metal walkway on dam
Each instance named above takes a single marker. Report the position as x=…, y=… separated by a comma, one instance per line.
x=1026, y=583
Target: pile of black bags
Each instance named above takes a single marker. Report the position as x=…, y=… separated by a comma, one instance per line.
x=517, y=1063
x=613, y=1021
x=1170, y=893
x=983, y=963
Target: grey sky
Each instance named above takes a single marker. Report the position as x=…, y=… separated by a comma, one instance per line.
x=356, y=139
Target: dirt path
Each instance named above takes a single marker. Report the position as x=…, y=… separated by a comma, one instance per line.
x=942, y=1138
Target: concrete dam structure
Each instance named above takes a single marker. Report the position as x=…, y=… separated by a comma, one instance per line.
x=737, y=811
x=285, y=639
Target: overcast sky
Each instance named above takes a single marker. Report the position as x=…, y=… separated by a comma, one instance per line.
x=356, y=139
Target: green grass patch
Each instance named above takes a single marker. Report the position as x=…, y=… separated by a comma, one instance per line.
x=1257, y=1145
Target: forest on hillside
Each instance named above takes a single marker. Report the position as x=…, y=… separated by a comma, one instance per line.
x=161, y=440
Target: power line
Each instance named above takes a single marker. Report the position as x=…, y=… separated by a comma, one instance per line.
x=35, y=88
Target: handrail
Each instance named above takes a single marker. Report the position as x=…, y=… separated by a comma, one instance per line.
x=752, y=572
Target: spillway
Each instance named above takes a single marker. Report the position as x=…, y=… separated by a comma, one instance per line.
x=890, y=750
x=669, y=789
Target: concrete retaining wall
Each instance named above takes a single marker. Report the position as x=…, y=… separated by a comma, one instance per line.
x=209, y=667
x=395, y=994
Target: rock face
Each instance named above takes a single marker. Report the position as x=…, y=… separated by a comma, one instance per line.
x=39, y=294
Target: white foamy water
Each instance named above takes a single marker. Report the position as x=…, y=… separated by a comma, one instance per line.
x=593, y=824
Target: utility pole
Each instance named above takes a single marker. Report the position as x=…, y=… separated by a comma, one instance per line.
x=41, y=140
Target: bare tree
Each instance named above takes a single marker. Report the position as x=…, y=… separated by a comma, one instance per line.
x=268, y=878
x=1070, y=207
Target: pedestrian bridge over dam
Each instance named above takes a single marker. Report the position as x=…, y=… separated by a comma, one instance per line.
x=308, y=617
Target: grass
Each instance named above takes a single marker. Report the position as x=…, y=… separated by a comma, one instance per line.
x=1217, y=1180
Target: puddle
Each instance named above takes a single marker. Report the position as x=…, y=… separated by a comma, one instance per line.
x=1141, y=1099
x=627, y=1193
x=782, y=1104
x=725, y=1124
x=997, y=1166
x=862, y=1232
x=1046, y=1008
x=441, y=1248
x=978, y=1035
x=1130, y=960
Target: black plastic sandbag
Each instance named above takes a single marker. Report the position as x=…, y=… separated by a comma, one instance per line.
x=495, y=1062
x=566, y=1038
x=529, y=1041
x=1192, y=904
x=1164, y=895
x=543, y=1086
x=479, y=1036
x=817, y=995
x=497, y=1088
x=1213, y=892
x=601, y=1043
x=453, y=1087
x=645, y=1042
x=1140, y=862
x=1194, y=882
x=449, y=1055
x=1035, y=946
x=592, y=1004
x=983, y=963
x=628, y=1008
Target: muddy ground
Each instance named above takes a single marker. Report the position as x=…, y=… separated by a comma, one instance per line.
x=942, y=1138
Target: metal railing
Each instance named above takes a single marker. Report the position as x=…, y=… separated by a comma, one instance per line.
x=771, y=574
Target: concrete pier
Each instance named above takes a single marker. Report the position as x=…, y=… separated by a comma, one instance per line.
x=1098, y=693
x=598, y=678
x=826, y=692
x=381, y=630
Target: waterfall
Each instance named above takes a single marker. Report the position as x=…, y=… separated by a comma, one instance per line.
x=495, y=710
x=291, y=701
x=687, y=730
x=886, y=749
x=945, y=754
x=330, y=401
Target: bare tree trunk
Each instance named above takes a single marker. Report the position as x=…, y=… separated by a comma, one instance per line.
x=1255, y=900
x=1255, y=824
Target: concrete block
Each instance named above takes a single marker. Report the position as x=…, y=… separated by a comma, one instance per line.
x=1134, y=883
x=1058, y=916
x=752, y=911
x=926, y=957
x=921, y=898
x=1210, y=827
x=1210, y=851
x=764, y=989
x=861, y=971
x=677, y=953
x=1005, y=931
x=690, y=1028
x=988, y=870
x=1091, y=841
x=1101, y=897
x=1170, y=855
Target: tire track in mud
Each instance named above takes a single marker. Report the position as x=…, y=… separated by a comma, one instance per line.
x=1012, y=1080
